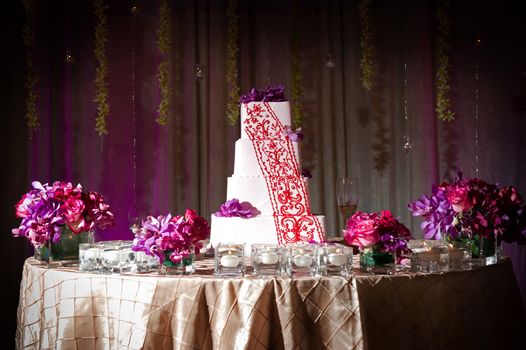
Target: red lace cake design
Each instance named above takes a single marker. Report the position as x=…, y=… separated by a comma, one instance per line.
x=286, y=187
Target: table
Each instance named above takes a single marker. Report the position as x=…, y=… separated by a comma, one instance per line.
x=66, y=309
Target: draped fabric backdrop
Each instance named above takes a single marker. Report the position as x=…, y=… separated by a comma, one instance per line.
x=348, y=132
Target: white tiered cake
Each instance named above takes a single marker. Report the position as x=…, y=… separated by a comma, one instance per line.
x=267, y=175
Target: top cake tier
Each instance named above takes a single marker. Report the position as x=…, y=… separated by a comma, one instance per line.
x=281, y=110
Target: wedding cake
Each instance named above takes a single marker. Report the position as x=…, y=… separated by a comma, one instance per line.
x=267, y=196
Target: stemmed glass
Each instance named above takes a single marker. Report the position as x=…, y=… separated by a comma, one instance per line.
x=347, y=196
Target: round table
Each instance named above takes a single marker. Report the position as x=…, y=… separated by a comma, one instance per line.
x=67, y=309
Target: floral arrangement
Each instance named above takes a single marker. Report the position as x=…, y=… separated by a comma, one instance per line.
x=472, y=207
x=164, y=45
x=378, y=230
x=233, y=208
x=232, y=108
x=101, y=72
x=46, y=209
x=443, y=104
x=270, y=94
x=293, y=135
x=31, y=75
x=366, y=45
x=173, y=237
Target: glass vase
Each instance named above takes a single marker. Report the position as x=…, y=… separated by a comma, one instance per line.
x=484, y=251
x=65, y=252
x=185, y=267
x=375, y=262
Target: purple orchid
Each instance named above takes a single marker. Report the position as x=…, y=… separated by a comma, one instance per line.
x=293, y=135
x=233, y=208
x=270, y=94
x=467, y=208
x=46, y=209
x=172, y=237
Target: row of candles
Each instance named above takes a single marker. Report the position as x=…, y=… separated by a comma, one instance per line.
x=298, y=259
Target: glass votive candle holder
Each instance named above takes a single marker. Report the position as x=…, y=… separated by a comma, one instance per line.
x=116, y=257
x=459, y=256
x=333, y=259
x=143, y=263
x=89, y=257
x=229, y=259
x=301, y=260
x=268, y=259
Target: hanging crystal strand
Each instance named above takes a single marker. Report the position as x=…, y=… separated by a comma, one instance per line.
x=329, y=63
x=132, y=212
x=477, y=46
x=408, y=146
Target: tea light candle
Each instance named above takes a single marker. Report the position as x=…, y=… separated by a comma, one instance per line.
x=229, y=260
x=111, y=255
x=269, y=258
x=302, y=260
x=91, y=253
x=337, y=259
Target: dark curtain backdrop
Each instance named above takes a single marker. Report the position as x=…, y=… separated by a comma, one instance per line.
x=186, y=163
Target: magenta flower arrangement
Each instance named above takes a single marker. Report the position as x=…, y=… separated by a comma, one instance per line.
x=47, y=209
x=270, y=94
x=380, y=231
x=233, y=208
x=173, y=237
x=472, y=207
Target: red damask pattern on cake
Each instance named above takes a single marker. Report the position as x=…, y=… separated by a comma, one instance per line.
x=286, y=187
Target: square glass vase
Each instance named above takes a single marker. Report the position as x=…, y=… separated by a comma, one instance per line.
x=65, y=252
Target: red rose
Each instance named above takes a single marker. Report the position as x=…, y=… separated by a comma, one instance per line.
x=72, y=209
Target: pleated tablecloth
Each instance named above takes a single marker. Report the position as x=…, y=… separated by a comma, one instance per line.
x=67, y=309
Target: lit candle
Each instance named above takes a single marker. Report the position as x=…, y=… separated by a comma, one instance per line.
x=111, y=255
x=269, y=258
x=302, y=260
x=91, y=253
x=229, y=260
x=337, y=259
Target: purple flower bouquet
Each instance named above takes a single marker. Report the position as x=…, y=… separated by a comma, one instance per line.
x=50, y=212
x=380, y=237
x=174, y=240
x=472, y=210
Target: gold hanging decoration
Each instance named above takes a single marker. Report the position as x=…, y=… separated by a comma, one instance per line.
x=295, y=69
x=164, y=44
x=443, y=104
x=101, y=72
x=232, y=49
x=366, y=45
x=31, y=114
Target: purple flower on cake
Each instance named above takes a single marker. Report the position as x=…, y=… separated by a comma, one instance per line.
x=45, y=209
x=306, y=173
x=270, y=94
x=293, y=135
x=174, y=236
x=233, y=208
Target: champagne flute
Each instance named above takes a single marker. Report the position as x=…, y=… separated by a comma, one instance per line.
x=347, y=196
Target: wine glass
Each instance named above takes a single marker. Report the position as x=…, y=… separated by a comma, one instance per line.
x=347, y=196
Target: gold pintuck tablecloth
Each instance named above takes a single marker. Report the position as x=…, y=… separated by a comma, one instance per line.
x=65, y=309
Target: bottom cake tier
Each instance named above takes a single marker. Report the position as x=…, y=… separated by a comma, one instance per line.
x=261, y=229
